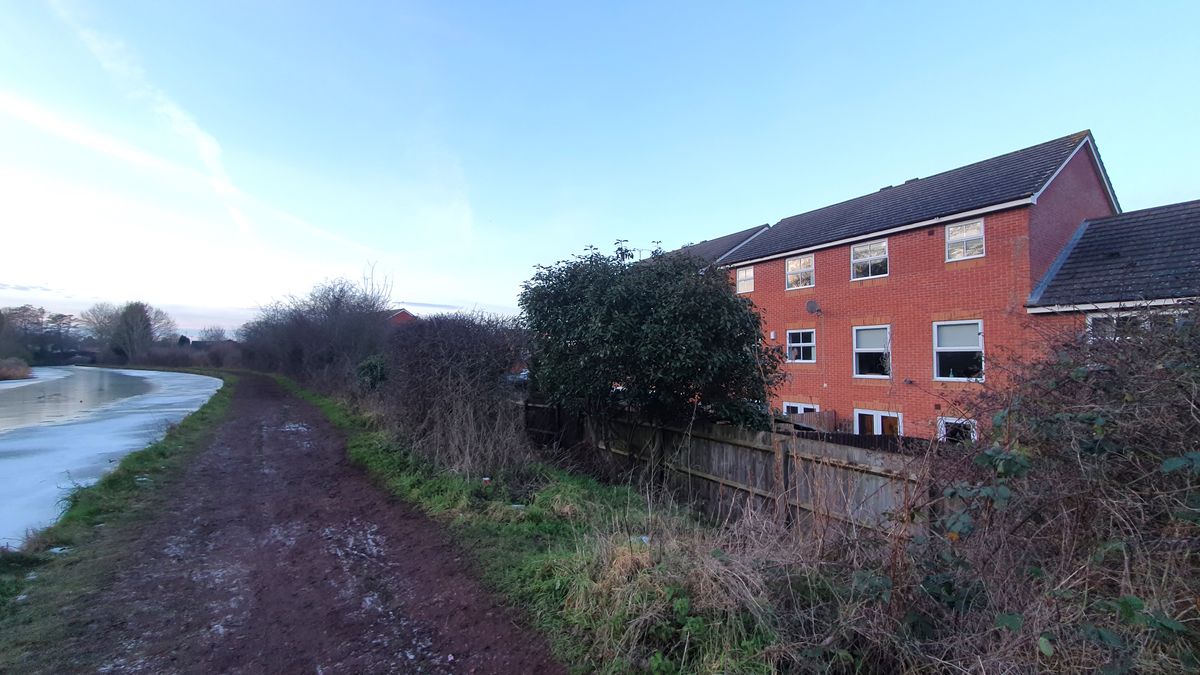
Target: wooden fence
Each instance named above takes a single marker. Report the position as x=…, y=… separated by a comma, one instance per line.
x=797, y=476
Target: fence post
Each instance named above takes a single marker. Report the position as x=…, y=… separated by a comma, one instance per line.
x=781, y=477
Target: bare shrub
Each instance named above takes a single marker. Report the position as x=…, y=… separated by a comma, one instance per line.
x=450, y=388
x=14, y=369
x=319, y=338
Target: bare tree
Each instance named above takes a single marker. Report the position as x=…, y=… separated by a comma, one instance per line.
x=212, y=334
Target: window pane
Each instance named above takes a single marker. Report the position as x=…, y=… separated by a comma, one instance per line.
x=861, y=269
x=974, y=247
x=964, y=231
x=879, y=267
x=956, y=250
x=800, y=279
x=871, y=363
x=958, y=335
x=808, y=353
x=860, y=251
x=1103, y=327
x=866, y=423
x=798, y=264
x=958, y=432
x=796, y=337
x=790, y=409
x=870, y=338
x=960, y=364
x=891, y=425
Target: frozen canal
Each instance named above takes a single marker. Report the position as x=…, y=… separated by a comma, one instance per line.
x=70, y=425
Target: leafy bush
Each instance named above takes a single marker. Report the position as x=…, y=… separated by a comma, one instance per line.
x=664, y=335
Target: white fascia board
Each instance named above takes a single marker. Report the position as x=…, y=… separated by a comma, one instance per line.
x=731, y=251
x=1101, y=306
x=883, y=233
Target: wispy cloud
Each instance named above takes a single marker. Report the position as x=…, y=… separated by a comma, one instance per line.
x=120, y=61
x=25, y=287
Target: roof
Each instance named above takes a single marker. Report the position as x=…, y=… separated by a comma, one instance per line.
x=1007, y=178
x=1152, y=254
x=712, y=250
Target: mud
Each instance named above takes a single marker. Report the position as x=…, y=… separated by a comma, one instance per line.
x=274, y=554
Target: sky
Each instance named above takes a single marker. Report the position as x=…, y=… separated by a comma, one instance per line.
x=214, y=157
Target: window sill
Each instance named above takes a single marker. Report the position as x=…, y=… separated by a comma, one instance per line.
x=974, y=257
x=872, y=377
x=800, y=363
x=961, y=380
x=877, y=276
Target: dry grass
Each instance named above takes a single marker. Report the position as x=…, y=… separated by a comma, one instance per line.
x=14, y=369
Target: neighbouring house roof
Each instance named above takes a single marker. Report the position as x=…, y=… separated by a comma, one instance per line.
x=1019, y=175
x=713, y=250
x=1152, y=254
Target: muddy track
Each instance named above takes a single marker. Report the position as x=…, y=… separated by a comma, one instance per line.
x=274, y=554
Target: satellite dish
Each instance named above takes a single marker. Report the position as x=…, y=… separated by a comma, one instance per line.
x=812, y=307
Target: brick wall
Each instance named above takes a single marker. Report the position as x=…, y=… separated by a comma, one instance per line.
x=1076, y=194
x=920, y=288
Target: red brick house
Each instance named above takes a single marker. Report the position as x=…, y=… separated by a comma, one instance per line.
x=892, y=305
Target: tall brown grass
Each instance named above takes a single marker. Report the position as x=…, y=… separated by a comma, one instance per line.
x=14, y=369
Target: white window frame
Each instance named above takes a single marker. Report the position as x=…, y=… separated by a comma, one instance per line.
x=787, y=345
x=937, y=350
x=812, y=270
x=1146, y=316
x=982, y=237
x=748, y=277
x=877, y=414
x=814, y=407
x=854, y=350
x=886, y=256
x=943, y=421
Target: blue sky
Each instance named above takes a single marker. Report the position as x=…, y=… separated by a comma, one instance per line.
x=212, y=157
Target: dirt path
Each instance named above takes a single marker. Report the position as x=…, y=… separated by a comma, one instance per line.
x=283, y=558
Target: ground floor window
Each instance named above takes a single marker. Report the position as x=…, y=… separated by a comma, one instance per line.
x=878, y=423
x=800, y=408
x=958, y=350
x=871, y=351
x=957, y=430
x=802, y=346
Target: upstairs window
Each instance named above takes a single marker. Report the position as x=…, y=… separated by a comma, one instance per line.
x=872, y=351
x=800, y=272
x=958, y=350
x=964, y=241
x=802, y=346
x=869, y=260
x=745, y=279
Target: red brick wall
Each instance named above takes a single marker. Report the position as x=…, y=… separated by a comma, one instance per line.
x=1076, y=194
x=920, y=288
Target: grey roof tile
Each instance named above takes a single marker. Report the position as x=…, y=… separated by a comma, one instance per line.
x=712, y=250
x=1152, y=254
x=1009, y=177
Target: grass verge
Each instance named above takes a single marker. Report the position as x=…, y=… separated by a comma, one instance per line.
x=61, y=564
x=617, y=582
